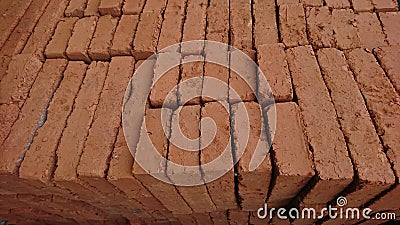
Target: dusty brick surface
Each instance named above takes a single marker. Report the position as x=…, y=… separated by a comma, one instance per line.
x=154, y=6
x=387, y=57
x=171, y=30
x=4, y=63
x=92, y=8
x=292, y=25
x=195, y=26
x=202, y=218
x=80, y=40
x=265, y=28
x=124, y=34
x=390, y=22
x=75, y=8
x=8, y=115
x=219, y=218
x=385, y=5
x=362, y=5
x=191, y=82
x=338, y=4
x=59, y=42
x=100, y=44
x=313, y=3
x=176, y=6
x=241, y=24
x=370, y=30
x=110, y=7
x=319, y=25
x=344, y=26
x=237, y=217
x=147, y=34
x=133, y=7
x=218, y=21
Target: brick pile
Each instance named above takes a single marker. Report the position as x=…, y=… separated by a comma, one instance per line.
x=332, y=67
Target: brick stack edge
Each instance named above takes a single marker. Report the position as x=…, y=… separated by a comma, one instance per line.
x=332, y=67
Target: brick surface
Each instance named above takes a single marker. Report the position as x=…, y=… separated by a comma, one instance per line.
x=362, y=5
x=154, y=6
x=191, y=82
x=390, y=23
x=110, y=7
x=254, y=176
x=319, y=25
x=331, y=158
x=75, y=8
x=171, y=33
x=265, y=27
x=8, y=115
x=100, y=44
x=387, y=57
x=385, y=5
x=344, y=26
x=176, y=6
x=292, y=25
x=133, y=7
x=338, y=4
x=124, y=34
x=241, y=24
x=80, y=40
x=92, y=8
x=202, y=218
x=373, y=170
x=237, y=217
x=4, y=62
x=218, y=21
x=273, y=64
x=59, y=42
x=370, y=30
x=219, y=218
x=194, y=27
x=186, y=219
x=147, y=34
x=312, y=2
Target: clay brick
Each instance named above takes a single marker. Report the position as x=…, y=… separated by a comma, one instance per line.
x=265, y=27
x=59, y=42
x=272, y=62
x=39, y=161
x=219, y=218
x=222, y=190
x=312, y=2
x=388, y=201
x=154, y=6
x=241, y=24
x=344, y=26
x=254, y=176
x=388, y=57
x=8, y=116
x=319, y=24
x=99, y=48
x=186, y=123
x=284, y=2
x=80, y=40
x=17, y=39
x=380, y=97
x=331, y=159
x=362, y=5
x=5, y=6
x=147, y=34
x=370, y=30
x=186, y=219
x=31, y=117
x=165, y=80
x=156, y=138
x=171, y=31
x=203, y=218
x=338, y=4
x=194, y=27
x=391, y=26
x=110, y=7
x=124, y=34
x=75, y=8
x=92, y=8
x=4, y=62
x=191, y=82
x=45, y=27
x=218, y=21
x=292, y=25
x=385, y=5
x=293, y=160
x=237, y=217
x=133, y=7
x=255, y=220
x=176, y=6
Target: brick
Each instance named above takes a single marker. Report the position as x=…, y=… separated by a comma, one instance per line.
x=312, y=2
x=8, y=116
x=4, y=62
x=45, y=27
x=24, y=129
x=4, y=6
x=338, y=4
x=75, y=8
x=241, y=24
x=219, y=218
x=165, y=80
x=80, y=40
x=171, y=31
x=194, y=27
x=272, y=62
x=176, y=6
x=133, y=7
x=218, y=21
x=319, y=25
x=147, y=34
x=390, y=23
x=251, y=144
x=156, y=138
x=362, y=5
x=331, y=158
x=344, y=26
x=186, y=219
x=385, y=5
x=124, y=34
x=255, y=220
x=154, y=6
x=237, y=217
x=370, y=30
x=292, y=25
x=291, y=177
x=265, y=27
x=285, y=2
x=387, y=57
x=99, y=48
x=92, y=8
x=388, y=201
x=221, y=190
x=380, y=97
x=203, y=218
x=110, y=7
x=191, y=82
x=59, y=42
x=39, y=162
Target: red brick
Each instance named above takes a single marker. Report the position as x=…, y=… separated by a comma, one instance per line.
x=284, y=2
x=99, y=48
x=171, y=30
x=154, y=6
x=191, y=82
x=80, y=40
x=241, y=24
x=8, y=116
x=219, y=217
x=370, y=30
x=186, y=219
x=147, y=34
x=214, y=73
x=265, y=27
x=59, y=42
x=75, y=8
x=176, y=6
x=133, y=7
x=222, y=190
x=319, y=24
x=218, y=21
x=156, y=138
x=203, y=218
x=331, y=159
x=255, y=220
x=385, y=5
x=124, y=34
x=362, y=5
x=194, y=27
x=338, y=4
x=272, y=62
x=387, y=202
x=292, y=25
x=110, y=7
x=4, y=62
x=4, y=6
x=163, y=83
x=186, y=123
x=344, y=26
x=387, y=57
x=312, y=2
x=391, y=26
x=237, y=217
x=92, y=8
